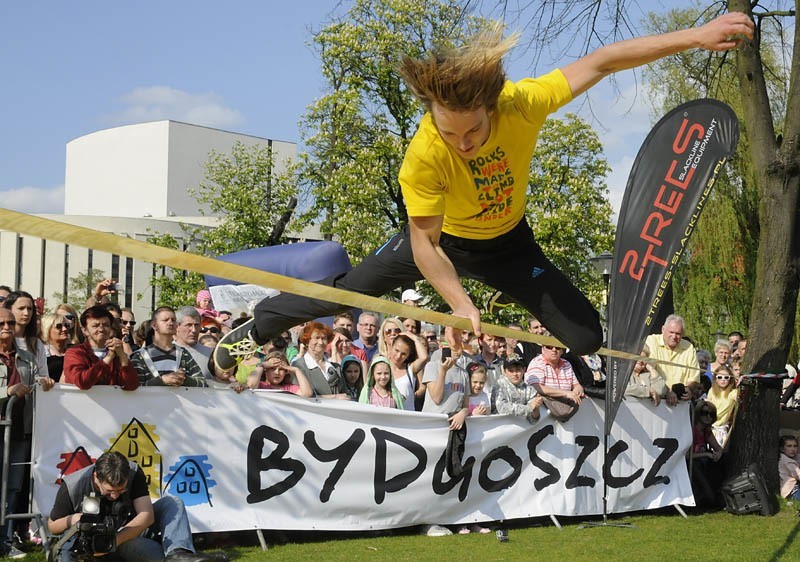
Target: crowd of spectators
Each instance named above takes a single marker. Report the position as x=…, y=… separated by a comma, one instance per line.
x=387, y=362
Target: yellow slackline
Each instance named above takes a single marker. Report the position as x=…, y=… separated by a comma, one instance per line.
x=120, y=245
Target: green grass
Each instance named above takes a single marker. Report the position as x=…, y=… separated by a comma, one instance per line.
x=662, y=536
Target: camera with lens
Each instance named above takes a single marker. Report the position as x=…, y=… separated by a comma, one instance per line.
x=97, y=528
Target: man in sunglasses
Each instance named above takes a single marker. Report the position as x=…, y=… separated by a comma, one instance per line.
x=553, y=378
x=127, y=324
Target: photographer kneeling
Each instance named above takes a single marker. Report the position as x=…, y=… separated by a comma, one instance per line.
x=109, y=500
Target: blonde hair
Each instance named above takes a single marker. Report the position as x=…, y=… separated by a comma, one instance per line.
x=46, y=324
x=383, y=345
x=461, y=79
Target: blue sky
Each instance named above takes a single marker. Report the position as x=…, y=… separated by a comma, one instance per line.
x=71, y=68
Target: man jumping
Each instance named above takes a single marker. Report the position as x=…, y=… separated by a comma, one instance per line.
x=464, y=180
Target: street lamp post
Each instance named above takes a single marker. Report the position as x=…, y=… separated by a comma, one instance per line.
x=603, y=264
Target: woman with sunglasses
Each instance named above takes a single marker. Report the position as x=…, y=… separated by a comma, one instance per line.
x=390, y=328
x=55, y=333
x=723, y=395
x=69, y=312
x=21, y=304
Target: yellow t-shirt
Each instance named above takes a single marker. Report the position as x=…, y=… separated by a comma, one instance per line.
x=483, y=197
x=725, y=404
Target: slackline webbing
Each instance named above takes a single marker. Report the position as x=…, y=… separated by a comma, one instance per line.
x=49, y=229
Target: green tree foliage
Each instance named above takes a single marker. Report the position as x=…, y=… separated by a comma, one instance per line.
x=568, y=205
x=357, y=132
x=174, y=287
x=80, y=287
x=254, y=203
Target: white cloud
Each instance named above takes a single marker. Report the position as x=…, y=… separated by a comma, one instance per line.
x=156, y=103
x=34, y=200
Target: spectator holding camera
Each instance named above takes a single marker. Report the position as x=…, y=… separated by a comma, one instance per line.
x=102, y=293
x=121, y=488
x=127, y=324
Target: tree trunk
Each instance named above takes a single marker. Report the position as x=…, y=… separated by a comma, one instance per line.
x=754, y=437
x=777, y=166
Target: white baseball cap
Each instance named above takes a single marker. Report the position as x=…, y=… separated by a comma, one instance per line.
x=410, y=295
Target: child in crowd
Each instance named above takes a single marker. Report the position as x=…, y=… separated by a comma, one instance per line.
x=479, y=401
x=736, y=369
x=275, y=373
x=789, y=468
x=723, y=395
x=705, y=454
x=353, y=376
x=379, y=389
x=513, y=395
x=705, y=445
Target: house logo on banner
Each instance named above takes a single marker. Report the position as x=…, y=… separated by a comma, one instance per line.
x=137, y=442
x=189, y=478
x=73, y=462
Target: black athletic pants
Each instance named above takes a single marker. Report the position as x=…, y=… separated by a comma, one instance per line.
x=513, y=263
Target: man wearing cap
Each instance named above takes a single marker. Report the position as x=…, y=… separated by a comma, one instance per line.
x=411, y=297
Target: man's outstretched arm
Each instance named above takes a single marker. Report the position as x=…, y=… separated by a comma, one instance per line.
x=720, y=34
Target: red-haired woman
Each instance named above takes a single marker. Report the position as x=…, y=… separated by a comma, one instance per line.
x=324, y=376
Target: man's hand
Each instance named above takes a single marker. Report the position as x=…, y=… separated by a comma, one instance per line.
x=655, y=397
x=174, y=379
x=104, y=289
x=474, y=315
x=575, y=397
x=453, y=338
x=19, y=390
x=726, y=32
x=457, y=419
x=672, y=398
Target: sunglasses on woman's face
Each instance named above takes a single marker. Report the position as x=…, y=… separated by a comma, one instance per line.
x=706, y=413
x=723, y=377
x=212, y=329
x=130, y=323
x=61, y=326
x=388, y=331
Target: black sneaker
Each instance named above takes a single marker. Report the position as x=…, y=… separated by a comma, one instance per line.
x=235, y=346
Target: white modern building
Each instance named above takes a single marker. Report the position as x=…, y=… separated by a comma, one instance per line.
x=132, y=181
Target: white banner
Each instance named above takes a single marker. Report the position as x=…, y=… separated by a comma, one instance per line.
x=271, y=460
